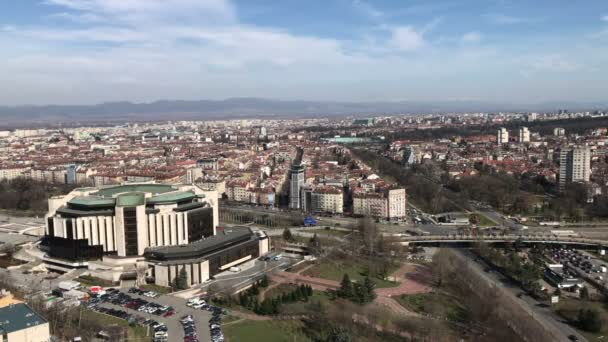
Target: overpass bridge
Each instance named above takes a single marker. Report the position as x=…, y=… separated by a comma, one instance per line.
x=455, y=240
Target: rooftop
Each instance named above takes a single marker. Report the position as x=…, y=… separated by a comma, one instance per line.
x=18, y=317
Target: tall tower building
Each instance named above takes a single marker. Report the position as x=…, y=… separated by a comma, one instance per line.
x=296, y=182
x=575, y=166
x=524, y=135
x=502, y=136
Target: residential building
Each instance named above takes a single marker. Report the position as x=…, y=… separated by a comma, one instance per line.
x=502, y=136
x=575, y=166
x=296, y=181
x=524, y=135
x=559, y=132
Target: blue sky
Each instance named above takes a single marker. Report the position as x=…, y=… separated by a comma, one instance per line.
x=91, y=51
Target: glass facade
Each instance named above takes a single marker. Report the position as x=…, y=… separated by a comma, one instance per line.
x=130, y=225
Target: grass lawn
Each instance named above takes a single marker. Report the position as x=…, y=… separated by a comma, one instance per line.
x=6, y=261
x=356, y=272
x=135, y=332
x=265, y=331
x=88, y=280
x=331, y=232
x=435, y=304
x=156, y=288
x=485, y=221
x=568, y=309
x=296, y=268
x=303, y=308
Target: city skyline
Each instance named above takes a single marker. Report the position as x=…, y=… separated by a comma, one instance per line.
x=93, y=51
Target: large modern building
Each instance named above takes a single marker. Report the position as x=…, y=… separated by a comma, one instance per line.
x=114, y=225
x=207, y=257
x=296, y=181
x=575, y=166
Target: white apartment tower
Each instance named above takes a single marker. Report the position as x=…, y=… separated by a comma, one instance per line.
x=502, y=136
x=575, y=166
x=524, y=135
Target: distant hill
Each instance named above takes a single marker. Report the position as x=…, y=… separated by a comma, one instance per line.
x=116, y=112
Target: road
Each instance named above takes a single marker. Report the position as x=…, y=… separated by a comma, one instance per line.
x=539, y=311
x=232, y=282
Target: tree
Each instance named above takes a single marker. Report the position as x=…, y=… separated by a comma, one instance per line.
x=370, y=289
x=182, y=280
x=589, y=320
x=346, y=287
x=264, y=282
x=287, y=236
x=339, y=334
x=584, y=293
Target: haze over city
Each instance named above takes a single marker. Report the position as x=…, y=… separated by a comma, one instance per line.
x=94, y=51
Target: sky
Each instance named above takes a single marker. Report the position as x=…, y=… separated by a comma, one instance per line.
x=93, y=51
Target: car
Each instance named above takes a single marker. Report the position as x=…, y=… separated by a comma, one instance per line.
x=169, y=313
x=572, y=338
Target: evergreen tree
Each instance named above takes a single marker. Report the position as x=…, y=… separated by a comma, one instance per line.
x=182, y=279
x=339, y=334
x=264, y=282
x=287, y=236
x=370, y=288
x=590, y=320
x=584, y=293
x=346, y=287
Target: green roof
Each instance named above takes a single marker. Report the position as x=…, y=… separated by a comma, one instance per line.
x=172, y=197
x=152, y=188
x=92, y=201
x=17, y=317
x=131, y=199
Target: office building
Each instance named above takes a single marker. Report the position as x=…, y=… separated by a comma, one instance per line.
x=559, y=132
x=502, y=136
x=575, y=166
x=524, y=135
x=296, y=181
x=19, y=323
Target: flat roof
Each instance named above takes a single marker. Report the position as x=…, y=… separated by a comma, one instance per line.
x=151, y=188
x=17, y=317
x=202, y=247
x=131, y=199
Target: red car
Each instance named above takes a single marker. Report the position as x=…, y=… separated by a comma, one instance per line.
x=169, y=314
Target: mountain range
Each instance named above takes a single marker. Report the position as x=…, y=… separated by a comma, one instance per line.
x=240, y=108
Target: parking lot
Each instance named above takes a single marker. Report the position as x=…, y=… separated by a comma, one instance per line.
x=131, y=302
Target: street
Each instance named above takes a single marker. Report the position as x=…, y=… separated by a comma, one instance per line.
x=540, y=311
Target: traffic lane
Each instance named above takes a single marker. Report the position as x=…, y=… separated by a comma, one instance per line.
x=246, y=277
x=176, y=331
x=534, y=307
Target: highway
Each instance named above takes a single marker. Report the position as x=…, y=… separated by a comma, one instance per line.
x=541, y=312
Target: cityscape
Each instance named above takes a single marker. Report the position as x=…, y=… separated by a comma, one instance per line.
x=341, y=171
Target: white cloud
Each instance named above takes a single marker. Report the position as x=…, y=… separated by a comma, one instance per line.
x=605, y=18
x=406, y=38
x=78, y=18
x=471, y=37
